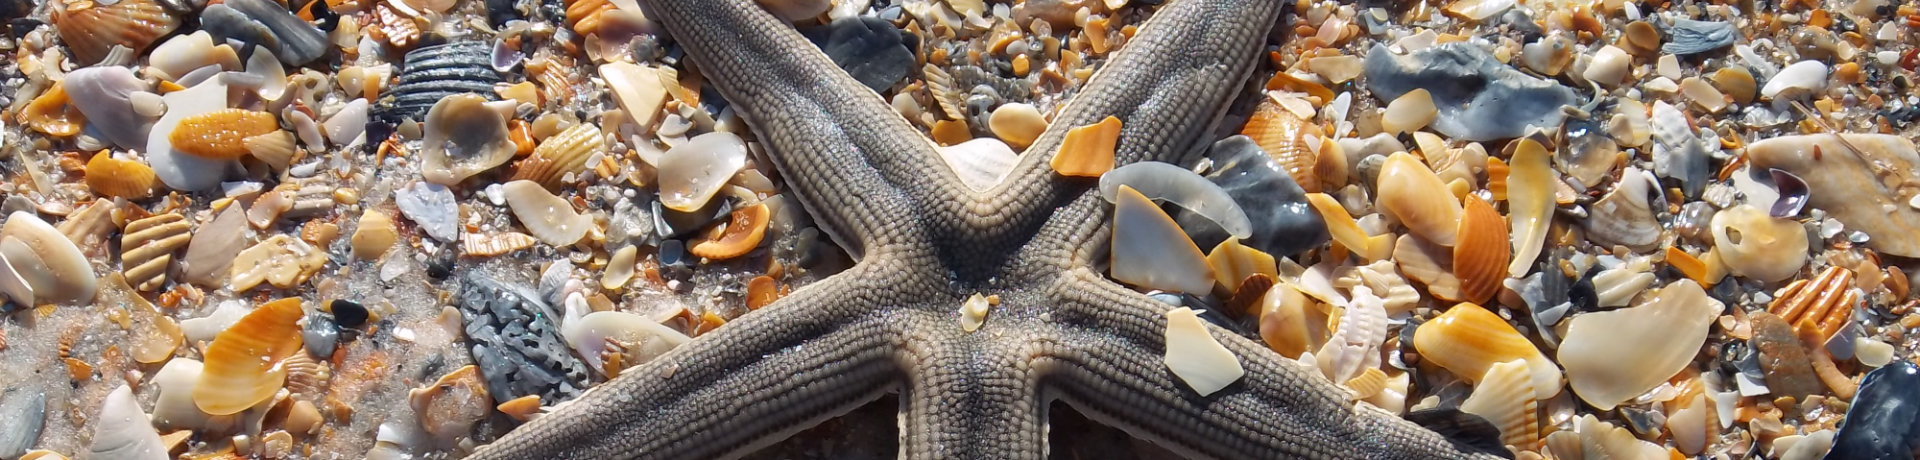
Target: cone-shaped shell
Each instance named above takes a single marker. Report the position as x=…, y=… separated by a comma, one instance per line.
x=1417, y=197
x=243, y=363
x=1469, y=340
x=1481, y=252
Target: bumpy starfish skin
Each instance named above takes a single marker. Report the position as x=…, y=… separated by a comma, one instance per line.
x=891, y=323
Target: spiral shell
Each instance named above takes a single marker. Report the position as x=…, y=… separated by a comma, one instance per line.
x=113, y=177
x=146, y=250
x=221, y=134
x=560, y=155
x=91, y=30
x=244, y=363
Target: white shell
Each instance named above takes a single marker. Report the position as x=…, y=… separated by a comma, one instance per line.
x=691, y=173
x=103, y=94
x=1355, y=347
x=45, y=259
x=980, y=163
x=123, y=432
x=644, y=338
x=178, y=169
x=1800, y=78
x=1166, y=182
x=547, y=217
x=347, y=124
x=1613, y=356
x=1196, y=357
x=1150, y=251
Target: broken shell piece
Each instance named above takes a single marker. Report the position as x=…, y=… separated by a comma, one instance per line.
x=1610, y=65
x=1482, y=250
x=494, y=244
x=433, y=207
x=560, y=157
x=1530, y=202
x=464, y=137
x=1150, y=250
x=178, y=169
x=1285, y=325
x=1166, y=182
x=1284, y=136
x=1612, y=356
x=1196, y=357
x=146, y=250
x=1625, y=216
x=450, y=407
x=243, y=364
x=981, y=163
x=105, y=94
x=1757, y=245
x=52, y=115
x=282, y=260
x=1505, y=396
x=620, y=268
x=220, y=134
x=1088, y=150
x=548, y=217
x=1233, y=262
x=113, y=177
x=1827, y=301
x=642, y=339
x=1430, y=264
x=91, y=30
x=1417, y=198
x=1354, y=345
x=1801, y=78
x=1017, y=123
x=124, y=431
x=276, y=149
x=1409, y=112
x=736, y=237
x=691, y=173
x=1864, y=180
x=49, y=263
x=639, y=90
x=1468, y=340
x=1347, y=232
x=973, y=312
x=211, y=251
x=374, y=235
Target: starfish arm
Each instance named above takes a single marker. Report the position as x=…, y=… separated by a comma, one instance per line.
x=773, y=372
x=1169, y=85
x=1277, y=409
x=969, y=397
x=857, y=166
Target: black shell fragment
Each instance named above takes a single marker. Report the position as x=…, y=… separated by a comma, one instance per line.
x=435, y=72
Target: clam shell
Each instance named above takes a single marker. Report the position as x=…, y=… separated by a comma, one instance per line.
x=113, y=177
x=1530, y=204
x=1757, y=245
x=1283, y=135
x=1613, y=356
x=691, y=173
x=1416, y=196
x=737, y=236
x=147, y=247
x=52, y=114
x=91, y=30
x=1468, y=340
x=243, y=366
x=568, y=153
x=221, y=134
x=1482, y=252
x=1290, y=323
x=494, y=244
x=45, y=260
x=215, y=243
x=1505, y=397
x=1428, y=263
x=436, y=72
x=450, y=407
x=177, y=169
x=124, y=431
x=282, y=260
x=1150, y=250
x=548, y=217
x=276, y=149
x=465, y=137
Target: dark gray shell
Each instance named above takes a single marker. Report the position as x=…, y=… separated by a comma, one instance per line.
x=1479, y=97
x=1884, y=421
x=1283, y=223
x=436, y=72
x=1687, y=36
x=516, y=343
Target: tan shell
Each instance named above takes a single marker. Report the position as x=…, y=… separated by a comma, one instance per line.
x=1757, y=245
x=1469, y=340
x=147, y=247
x=374, y=235
x=1481, y=253
x=276, y=149
x=450, y=407
x=243, y=365
x=1505, y=397
x=1416, y=196
x=1284, y=136
x=221, y=134
x=307, y=376
x=52, y=114
x=114, y=177
x=282, y=260
x=493, y=244
x=91, y=30
x=560, y=155
x=1827, y=301
x=394, y=27
x=1428, y=263
x=463, y=137
x=89, y=227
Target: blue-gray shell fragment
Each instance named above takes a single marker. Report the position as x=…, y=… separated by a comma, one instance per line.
x=516, y=343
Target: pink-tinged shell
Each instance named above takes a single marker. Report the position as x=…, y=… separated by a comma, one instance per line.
x=91, y=30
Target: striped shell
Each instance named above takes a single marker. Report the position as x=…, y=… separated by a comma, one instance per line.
x=243, y=365
x=221, y=134
x=1505, y=397
x=1283, y=135
x=493, y=244
x=307, y=376
x=91, y=30
x=1481, y=253
x=583, y=16
x=113, y=177
x=435, y=72
x=394, y=27
x=146, y=250
x=562, y=154
x=276, y=149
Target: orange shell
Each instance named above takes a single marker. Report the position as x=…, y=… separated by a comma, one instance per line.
x=1283, y=135
x=761, y=290
x=1826, y=302
x=741, y=234
x=221, y=134
x=52, y=115
x=583, y=16
x=243, y=363
x=91, y=30
x=1088, y=150
x=559, y=155
x=1481, y=253
x=114, y=177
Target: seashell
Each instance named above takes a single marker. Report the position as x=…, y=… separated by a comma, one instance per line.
x=1017, y=123
x=494, y=244
x=89, y=227
x=243, y=366
x=583, y=16
x=1505, y=396
x=147, y=247
x=307, y=376
x=185, y=53
x=1193, y=355
x=303, y=419
x=1609, y=67
x=1481, y=251
x=548, y=217
x=220, y=134
x=1616, y=287
x=735, y=237
x=691, y=173
x=1800, y=78
x=1590, y=153
x=1354, y=345
x=373, y=235
x=124, y=432
x=1757, y=245
x=1864, y=180
x=1687, y=36
x=1150, y=250
x=91, y=30
x=620, y=268
x=639, y=90
x=1088, y=150
x=394, y=27
x=431, y=206
x=981, y=163
x=450, y=407
x=642, y=339
x=1409, y=112
x=1677, y=152
x=27, y=409
x=1827, y=301
x=180, y=170
x=1624, y=217
x=1530, y=203
x=1285, y=136
x=1396, y=295
x=1282, y=221
x=1736, y=82
x=349, y=123
x=45, y=265
x=52, y=115
x=1703, y=94
x=762, y=291
x=104, y=94
x=112, y=177
x=465, y=137
x=436, y=72
x=1468, y=340
x=1613, y=356
x=1233, y=263
x=276, y=149
x=1415, y=196
x=1687, y=423
x=1793, y=194
x=1347, y=232
x=215, y=243
x=282, y=260
x=1428, y=263
x=262, y=22
x=1479, y=96
x=568, y=153
x=1166, y=182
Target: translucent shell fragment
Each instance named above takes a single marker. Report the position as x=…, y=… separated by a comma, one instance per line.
x=1150, y=250
x=1088, y=150
x=1613, y=356
x=243, y=363
x=221, y=134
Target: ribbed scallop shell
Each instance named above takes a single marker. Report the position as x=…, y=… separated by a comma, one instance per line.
x=1283, y=135
x=53, y=114
x=1481, y=252
x=243, y=365
x=221, y=134
x=1827, y=301
x=1505, y=398
x=91, y=30
x=307, y=376
x=114, y=177
x=562, y=154
x=147, y=247
x=394, y=27
x=276, y=149
x=436, y=72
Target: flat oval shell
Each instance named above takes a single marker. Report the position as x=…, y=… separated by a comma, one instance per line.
x=1417, y=197
x=691, y=173
x=548, y=217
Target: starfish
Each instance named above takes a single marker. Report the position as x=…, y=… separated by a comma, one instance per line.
x=924, y=243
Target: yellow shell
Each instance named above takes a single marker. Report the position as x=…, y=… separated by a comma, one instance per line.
x=1530, y=203
x=147, y=247
x=562, y=154
x=1416, y=196
x=91, y=30
x=1088, y=150
x=1469, y=340
x=243, y=363
x=276, y=149
x=221, y=134
x=1428, y=263
x=113, y=177
x=737, y=237
x=1284, y=136
x=1290, y=323
x=1481, y=253
x=583, y=16
x=52, y=114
